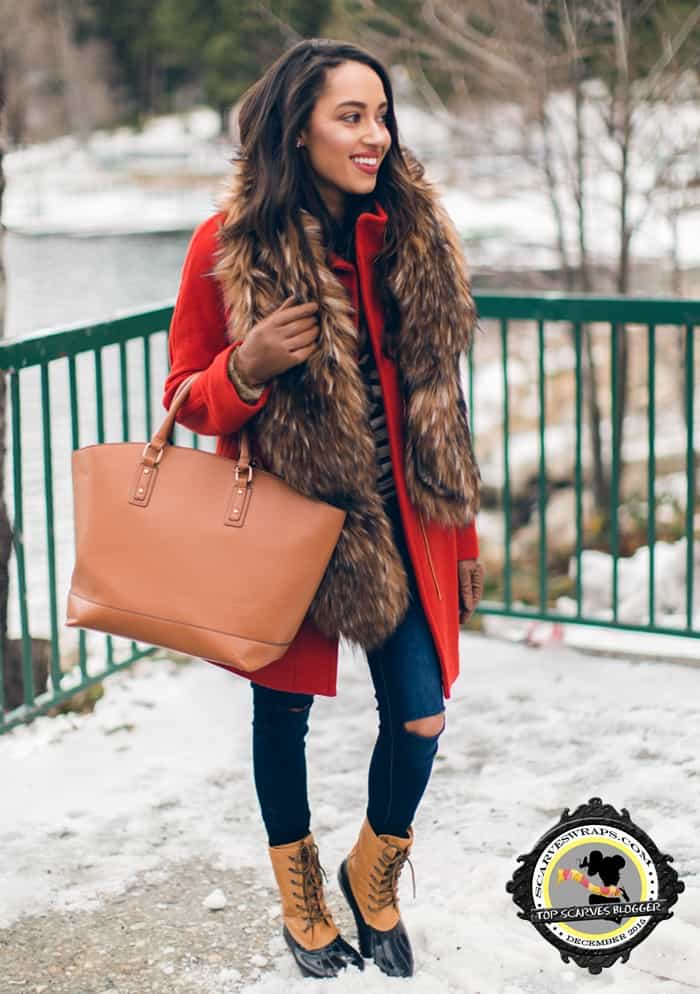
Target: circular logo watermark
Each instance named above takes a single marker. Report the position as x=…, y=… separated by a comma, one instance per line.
x=595, y=885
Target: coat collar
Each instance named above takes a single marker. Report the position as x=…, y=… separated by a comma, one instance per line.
x=369, y=238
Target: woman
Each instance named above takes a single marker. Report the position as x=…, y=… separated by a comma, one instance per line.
x=327, y=303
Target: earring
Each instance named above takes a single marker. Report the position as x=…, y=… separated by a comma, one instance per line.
x=299, y=143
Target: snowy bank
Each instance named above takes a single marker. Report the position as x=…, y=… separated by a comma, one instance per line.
x=161, y=772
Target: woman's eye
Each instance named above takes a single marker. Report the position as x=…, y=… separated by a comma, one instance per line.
x=348, y=116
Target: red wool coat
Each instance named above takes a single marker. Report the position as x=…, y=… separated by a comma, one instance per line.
x=197, y=341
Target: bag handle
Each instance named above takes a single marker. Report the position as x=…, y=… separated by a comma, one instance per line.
x=161, y=437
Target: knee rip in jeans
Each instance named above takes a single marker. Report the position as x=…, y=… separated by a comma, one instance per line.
x=430, y=727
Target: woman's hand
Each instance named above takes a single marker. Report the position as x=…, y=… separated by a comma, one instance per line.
x=471, y=587
x=285, y=338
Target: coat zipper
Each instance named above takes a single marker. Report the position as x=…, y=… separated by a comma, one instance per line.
x=430, y=558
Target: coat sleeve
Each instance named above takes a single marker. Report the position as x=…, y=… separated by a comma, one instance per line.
x=197, y=341
x=467, y=542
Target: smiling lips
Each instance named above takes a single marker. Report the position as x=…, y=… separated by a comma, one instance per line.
x=367, y=163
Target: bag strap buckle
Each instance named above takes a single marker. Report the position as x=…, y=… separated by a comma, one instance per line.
x=158, y=458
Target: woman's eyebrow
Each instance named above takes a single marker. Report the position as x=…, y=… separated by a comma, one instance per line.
x=359, y=103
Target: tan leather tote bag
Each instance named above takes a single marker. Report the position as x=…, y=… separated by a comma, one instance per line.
x=192, y=551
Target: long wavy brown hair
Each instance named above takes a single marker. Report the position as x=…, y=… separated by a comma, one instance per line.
x=272, y=113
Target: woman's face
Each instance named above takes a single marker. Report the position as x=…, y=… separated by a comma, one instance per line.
x=348, y=120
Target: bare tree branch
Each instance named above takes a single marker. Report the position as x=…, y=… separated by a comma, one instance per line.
x=657, y=70
x=476, y=47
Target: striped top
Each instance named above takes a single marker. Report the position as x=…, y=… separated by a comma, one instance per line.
x=377, y=417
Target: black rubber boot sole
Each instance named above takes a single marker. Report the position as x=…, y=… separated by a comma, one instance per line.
x=390, y=950
x=325, y=962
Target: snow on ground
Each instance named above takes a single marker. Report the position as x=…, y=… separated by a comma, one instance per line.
x=670, y=578
x=163, y=178
x=162, y=771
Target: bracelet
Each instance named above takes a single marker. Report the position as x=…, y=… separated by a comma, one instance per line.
x=248, y=393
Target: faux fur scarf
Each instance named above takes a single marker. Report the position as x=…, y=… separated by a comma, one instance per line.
x=314, y=430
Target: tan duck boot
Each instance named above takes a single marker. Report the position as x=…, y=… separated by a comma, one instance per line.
x=309, y=930
x=369, y=878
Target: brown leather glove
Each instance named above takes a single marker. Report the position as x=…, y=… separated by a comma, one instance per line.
x=285, y=338
x=471, y=587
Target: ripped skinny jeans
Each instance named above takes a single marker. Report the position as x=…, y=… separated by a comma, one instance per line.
x=405, y=671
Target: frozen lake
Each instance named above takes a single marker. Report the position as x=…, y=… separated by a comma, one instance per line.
x=89, y=278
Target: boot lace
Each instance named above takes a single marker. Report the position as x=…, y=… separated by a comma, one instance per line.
x=308, y=867
x=385, y=884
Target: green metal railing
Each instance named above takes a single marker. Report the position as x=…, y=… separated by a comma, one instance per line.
x=650, y=316
x=140, y=341
x=45, y=350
